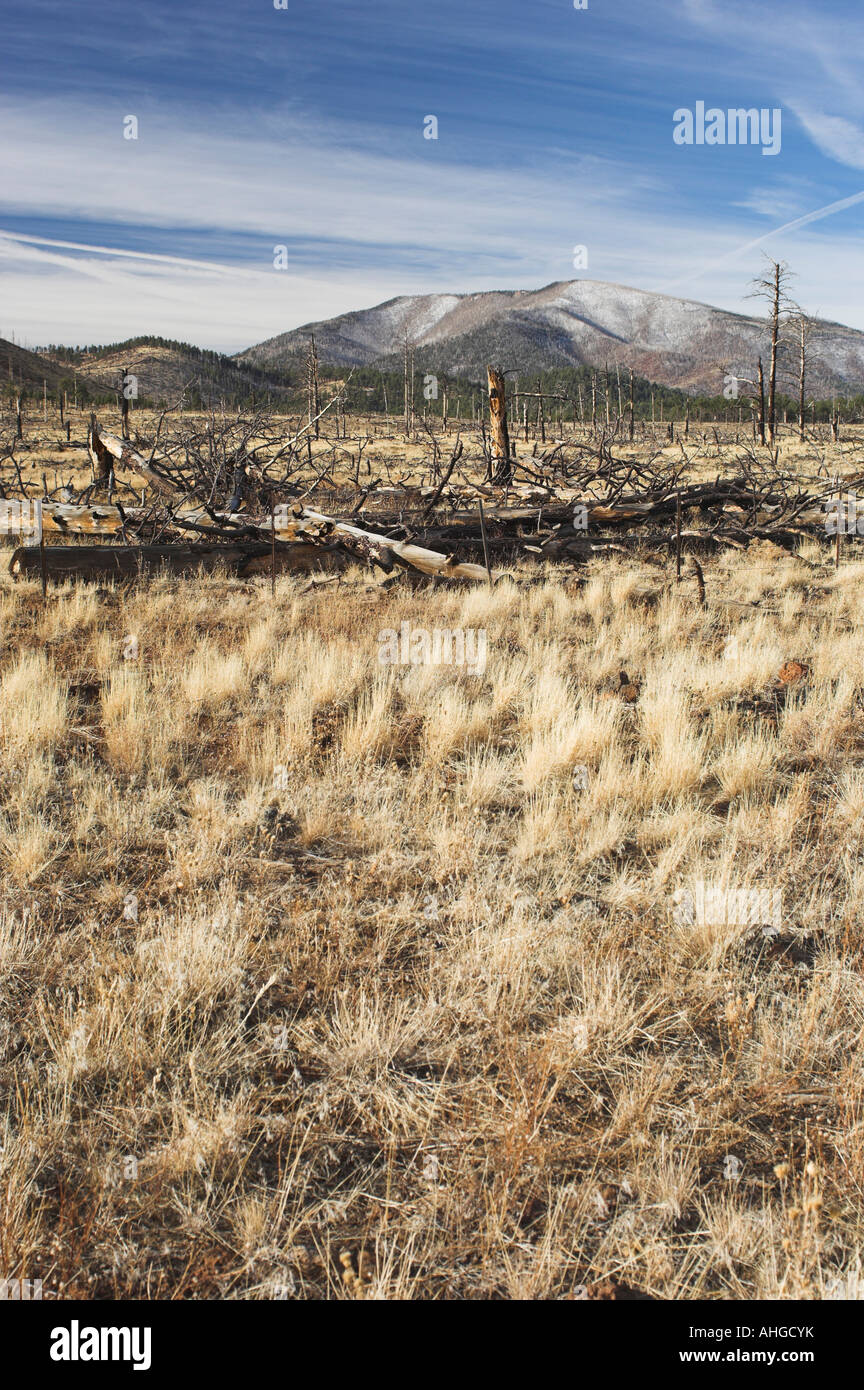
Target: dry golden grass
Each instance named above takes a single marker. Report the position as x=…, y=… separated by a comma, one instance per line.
x=375, y=446
x=323, y=978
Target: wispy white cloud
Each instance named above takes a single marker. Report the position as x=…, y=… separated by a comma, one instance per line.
x=304, y=181
x=51, y=297
x=838, y=138
x=23, y=239
x=377, y=216
x=815, y=69
x=424, y=223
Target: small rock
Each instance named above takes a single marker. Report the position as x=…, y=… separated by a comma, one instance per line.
x=628, y=691
x=792, y=671
x=605, y=1289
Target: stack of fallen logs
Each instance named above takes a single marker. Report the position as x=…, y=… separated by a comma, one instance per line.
x=446, y=534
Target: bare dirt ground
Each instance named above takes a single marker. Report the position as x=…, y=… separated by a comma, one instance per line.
x=327, y=978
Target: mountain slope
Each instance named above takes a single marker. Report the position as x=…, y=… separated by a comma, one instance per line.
x=676, y=342
x=166, y=370
x=22, y=370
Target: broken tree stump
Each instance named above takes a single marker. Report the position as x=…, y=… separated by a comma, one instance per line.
x=106, y=448
x=99, y=455
x=498, y=421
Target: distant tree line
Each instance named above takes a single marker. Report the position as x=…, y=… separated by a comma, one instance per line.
x=590, y=395
x=566, y=392
x=95, y=351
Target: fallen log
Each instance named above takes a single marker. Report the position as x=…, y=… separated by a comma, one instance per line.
x=65, y=519
x=304, y=521
x=69, y=519
x=128, y=561
x=116, y=561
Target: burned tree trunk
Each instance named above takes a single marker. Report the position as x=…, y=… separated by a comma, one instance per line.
x=116, y=561
x=124, y=404
x=498, y=419
x=370, y=545
x=761, y=416
x=313, y=399
x=129, y=561
x=105, y=448
x=802, y=375
x=408, y=388
x=775, y=338
x=101, y=459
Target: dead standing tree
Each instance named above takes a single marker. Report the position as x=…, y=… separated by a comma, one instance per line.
x=312, y=392
x=127, y=385
x=408, y=384
x=772, y=287
x=498, y=420
x=806, y=328
x=760, y=424
x=100, y=458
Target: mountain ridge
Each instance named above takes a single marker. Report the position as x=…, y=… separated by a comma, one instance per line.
x=673, y=341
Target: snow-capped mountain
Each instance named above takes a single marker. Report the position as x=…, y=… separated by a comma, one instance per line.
x=677, y=342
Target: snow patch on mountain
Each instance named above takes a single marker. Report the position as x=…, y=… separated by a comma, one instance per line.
x=677, y=342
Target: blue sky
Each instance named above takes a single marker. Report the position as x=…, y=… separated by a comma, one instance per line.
x=303, y=127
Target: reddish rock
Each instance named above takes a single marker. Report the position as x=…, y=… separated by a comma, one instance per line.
x=628, y=690
x=792, y=671
x=607, y=1289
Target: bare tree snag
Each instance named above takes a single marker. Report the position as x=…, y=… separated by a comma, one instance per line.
x=761, y=416
x=802, y=374
x=772, y=288
x=775, y=337
x=408, y=388
x=313, y=399
x=99, y=455
x=124, y=404
x=498, y=419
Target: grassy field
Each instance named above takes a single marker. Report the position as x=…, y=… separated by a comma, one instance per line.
x=363, y=448
x=324, y=977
